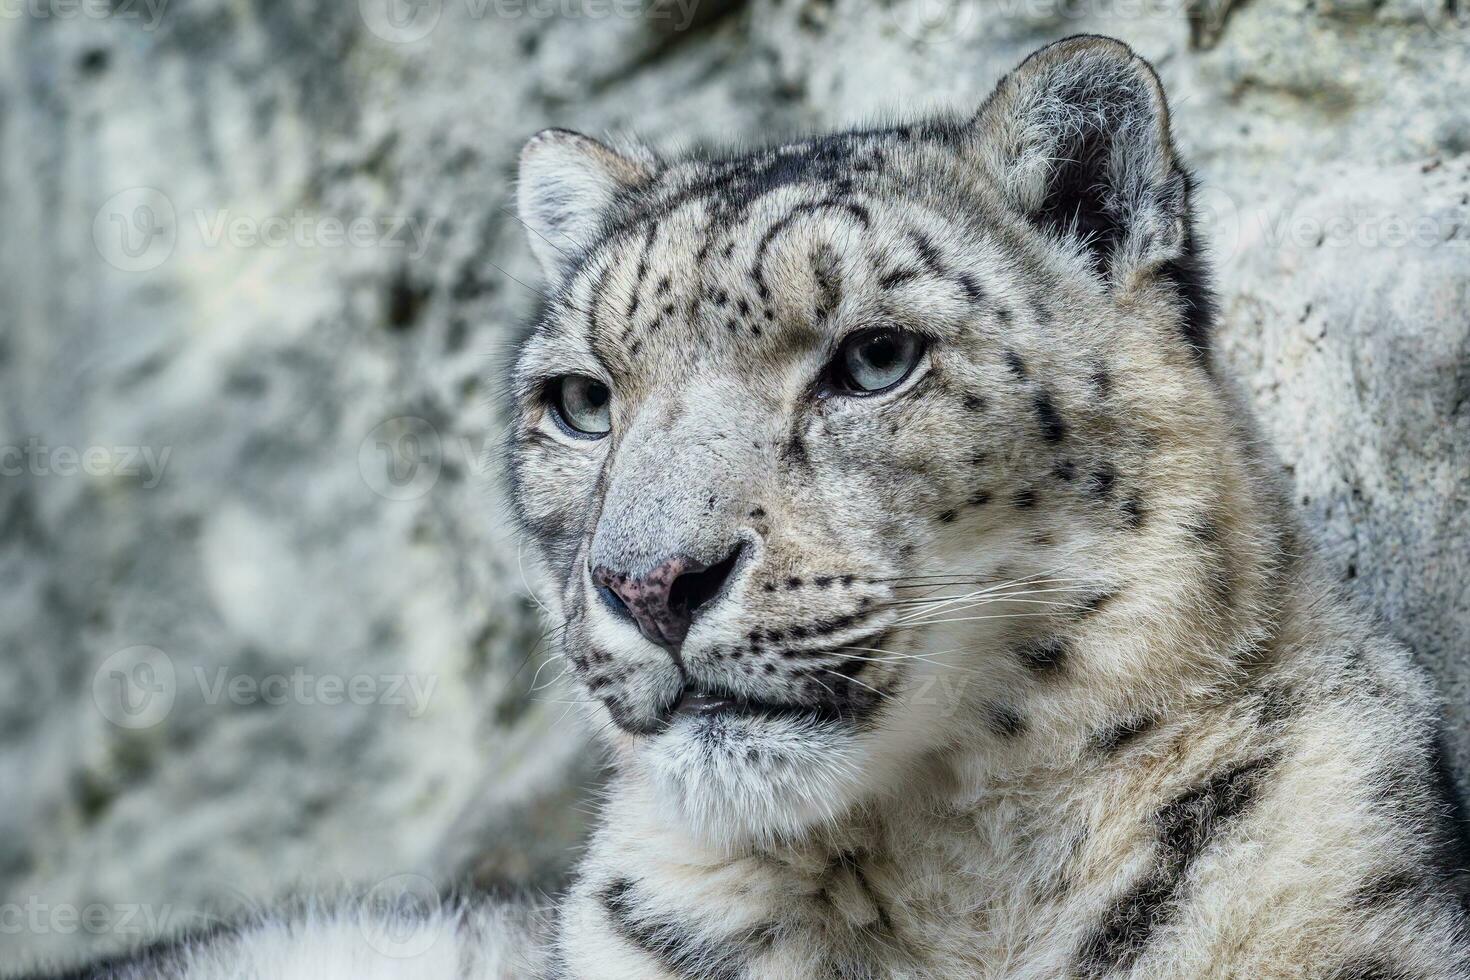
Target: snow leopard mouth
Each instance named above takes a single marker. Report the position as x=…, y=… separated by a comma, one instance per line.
x=717, y=704
x=706, y=704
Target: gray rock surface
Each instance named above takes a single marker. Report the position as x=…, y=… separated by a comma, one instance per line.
x=266, y=243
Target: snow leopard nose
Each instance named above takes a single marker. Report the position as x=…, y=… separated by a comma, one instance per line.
x=665, y=601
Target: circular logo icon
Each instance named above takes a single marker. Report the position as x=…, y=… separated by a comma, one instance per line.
x=402, y=916
x=400, y=21
x=134, y=688
x=401, y=458
x=934, y=21
x=1217, y=223
x=135, y=230
x=1450, y=20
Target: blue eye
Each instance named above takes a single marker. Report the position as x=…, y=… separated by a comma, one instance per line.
x=582, y=404
x=876, y=360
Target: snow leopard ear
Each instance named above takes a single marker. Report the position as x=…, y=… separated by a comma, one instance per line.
x=1078, y=137
x=567, y=184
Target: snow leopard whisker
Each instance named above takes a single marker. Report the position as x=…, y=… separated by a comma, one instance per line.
x=882, y=694
x=924, y=658
x=971, y=619
x=963, y=606
x=940, y=601
x=534, y=687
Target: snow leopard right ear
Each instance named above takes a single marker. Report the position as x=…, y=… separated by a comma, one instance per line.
x=567, y=184
x=1078, y=138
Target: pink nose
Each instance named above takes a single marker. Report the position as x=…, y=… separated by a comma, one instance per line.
x=665, y=601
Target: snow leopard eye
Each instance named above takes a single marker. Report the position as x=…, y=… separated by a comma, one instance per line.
x=876, y=360
x=581, y=405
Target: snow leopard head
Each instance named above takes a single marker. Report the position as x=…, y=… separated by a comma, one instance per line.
x=851, y=452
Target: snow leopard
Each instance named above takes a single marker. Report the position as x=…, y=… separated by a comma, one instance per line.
x=939, y=603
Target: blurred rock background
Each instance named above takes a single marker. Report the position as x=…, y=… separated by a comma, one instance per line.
x=262, y=619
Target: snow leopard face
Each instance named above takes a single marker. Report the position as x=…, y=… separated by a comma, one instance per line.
x=832, y=449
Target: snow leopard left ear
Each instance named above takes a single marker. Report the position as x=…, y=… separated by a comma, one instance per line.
x=1078, y=137
x=567, y=185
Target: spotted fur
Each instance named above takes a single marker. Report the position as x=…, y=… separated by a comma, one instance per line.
x=1018, y=669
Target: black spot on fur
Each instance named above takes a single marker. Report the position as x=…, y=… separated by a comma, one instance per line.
x=897, y=278
x=979, y=498
x=1274, y=707
x=1102, y=381
x=1186, y=827
x=795, y=451
x=1097, y=601
x=1100, y=483
x=975, y=403
x=1005, y=722
x=971, y=288
x=1372, y=967
x=928, y=254
x=1016, y=363
x=1066, y=470
x=1117, y=737
x=1133, y=512
x=672, y=943
x=1204, y=529
x=829, y=289
x=1024, y=498
x=1044, y=656
x=1053, y=428
x=1389, y=888
x=948, y=517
